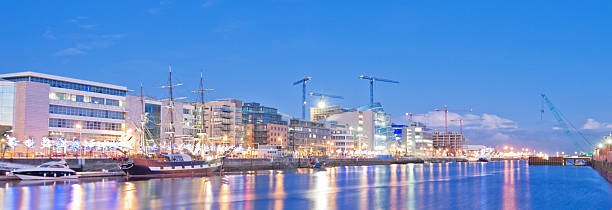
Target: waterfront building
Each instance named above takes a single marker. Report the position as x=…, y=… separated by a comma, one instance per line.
x=322, y=113
x=60, y=107
x=342, y=140
x=414, y=138
x=370, y=123
x=264, y=125
x=223, y=121
x=307, y=137
x=450, y=143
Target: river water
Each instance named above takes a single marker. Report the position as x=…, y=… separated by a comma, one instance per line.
x=494, y=185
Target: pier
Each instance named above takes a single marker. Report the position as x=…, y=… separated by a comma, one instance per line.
x=561, y=161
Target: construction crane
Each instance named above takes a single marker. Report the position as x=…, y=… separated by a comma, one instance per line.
x=303, y=82
x=372, y=80
x=322, y=97
x=410, y=115
x=564, y=123
x=461, y=123
x=445, y=110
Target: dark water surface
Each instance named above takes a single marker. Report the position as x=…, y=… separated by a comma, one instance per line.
x=494, y=185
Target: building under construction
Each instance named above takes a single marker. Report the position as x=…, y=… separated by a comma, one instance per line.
x=449, y=140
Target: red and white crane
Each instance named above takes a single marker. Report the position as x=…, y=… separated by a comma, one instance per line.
x=461, y=123
x=410, y=114
x=445, y=110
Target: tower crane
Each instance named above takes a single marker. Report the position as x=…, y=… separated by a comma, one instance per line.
x=322, y=97
x=372, y=80
x=445, y=110
x=410, y=115
x=461, y=123
x=303, y=82
x=564, y=123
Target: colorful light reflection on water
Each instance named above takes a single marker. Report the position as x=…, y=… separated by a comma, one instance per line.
x=494, y=185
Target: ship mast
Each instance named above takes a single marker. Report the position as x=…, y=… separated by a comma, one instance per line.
x=142, y=122
x=171, y=108
x=202, y=91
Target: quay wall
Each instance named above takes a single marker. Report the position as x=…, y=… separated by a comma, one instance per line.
x=604, y=168
x=80, y=164
x=236, y=164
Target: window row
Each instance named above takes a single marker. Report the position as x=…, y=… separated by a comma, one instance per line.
x=71, y=85
x=64, y=123
x=54, y=109
x=85, y=99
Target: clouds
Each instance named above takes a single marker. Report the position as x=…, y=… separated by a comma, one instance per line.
x=85, y=40
x=470, y=121
x=592, y=124
x=70, y=51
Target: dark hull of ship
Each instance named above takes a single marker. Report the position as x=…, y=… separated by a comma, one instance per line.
x=140, y=167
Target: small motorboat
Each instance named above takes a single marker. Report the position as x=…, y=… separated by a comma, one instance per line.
x=47, y=171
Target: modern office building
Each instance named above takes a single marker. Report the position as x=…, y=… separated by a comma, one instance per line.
x=264, y=125
x=451, y=142
x=370, y=123
x=60, y=107
x=414, y=138
x=307, y=137
x=322, y=113
x=341, y=138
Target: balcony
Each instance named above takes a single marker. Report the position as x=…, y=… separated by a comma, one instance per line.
x=226, y=123
x=226, y=109
x=227, y=116
x=226, y=128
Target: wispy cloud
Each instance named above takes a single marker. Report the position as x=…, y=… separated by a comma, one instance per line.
x=163, y=4
x=592, y=124
x=470, y=121
x=48, y=34
x=77, y=19
x=209, y=3
x=70, y=51
x=88, y=26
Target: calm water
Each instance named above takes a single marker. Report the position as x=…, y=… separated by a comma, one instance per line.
x=495, y=185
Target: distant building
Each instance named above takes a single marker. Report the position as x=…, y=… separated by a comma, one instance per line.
x=451, y=141
x=341, y=138
x=414, y=138
x=308, y=138
x=321, y=113
x=223, y=121
x=370, y=123
x=264, y=125
x=36, y=105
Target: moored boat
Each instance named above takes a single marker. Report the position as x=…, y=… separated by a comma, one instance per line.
x=47, y=171
x=170, y=164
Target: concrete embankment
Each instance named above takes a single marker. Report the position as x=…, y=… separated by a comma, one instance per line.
x=604, y=168
x=292, y=163
x=81, y=164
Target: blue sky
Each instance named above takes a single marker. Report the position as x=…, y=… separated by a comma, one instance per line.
x=493, y=57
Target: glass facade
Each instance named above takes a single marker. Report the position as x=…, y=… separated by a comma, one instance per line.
x=7, y=100
x=84, y=99
x=64, y=123
x=152, y=121
x=71, y=85
x=65, y=110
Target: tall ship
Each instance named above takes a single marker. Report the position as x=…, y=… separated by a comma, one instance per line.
x=159, y=164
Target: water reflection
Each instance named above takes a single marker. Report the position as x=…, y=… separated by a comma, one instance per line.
x=494, y=185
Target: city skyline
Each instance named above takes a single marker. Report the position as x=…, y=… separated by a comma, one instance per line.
x=498, y=72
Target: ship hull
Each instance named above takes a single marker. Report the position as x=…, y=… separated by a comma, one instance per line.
x=140, y=167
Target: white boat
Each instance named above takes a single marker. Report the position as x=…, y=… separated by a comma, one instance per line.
x=47, y=171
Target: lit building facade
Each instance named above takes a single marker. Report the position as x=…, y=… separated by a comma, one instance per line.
x=223, y=121
x=308, y=138
x=341, y=138
x=322, y=113
x=414, y=138
x=370, y=124
x=451, y=142
x=265, y=125
x=61, y=107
